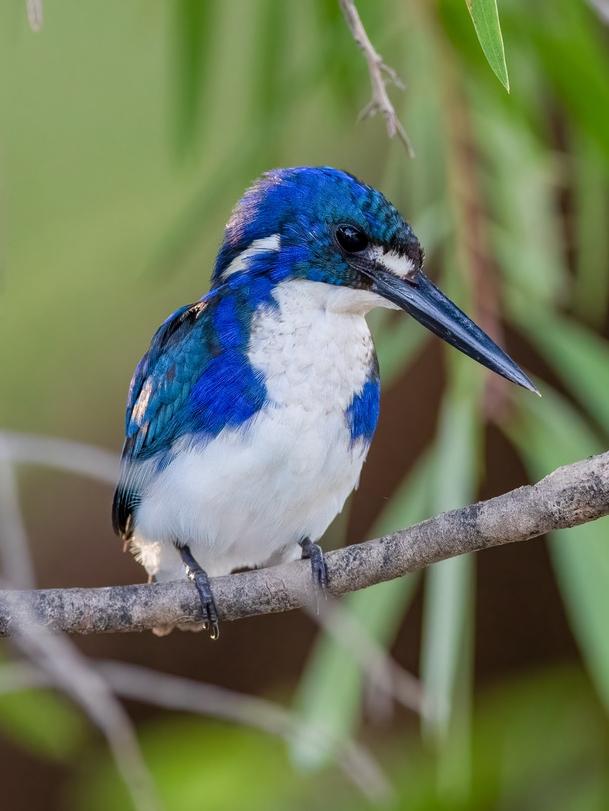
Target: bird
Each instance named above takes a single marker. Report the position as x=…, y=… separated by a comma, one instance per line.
x=250, y=416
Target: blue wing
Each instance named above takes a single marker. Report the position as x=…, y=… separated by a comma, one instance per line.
x=195, y=379
x=159, y=390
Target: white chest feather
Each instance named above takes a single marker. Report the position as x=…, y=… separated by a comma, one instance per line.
x=312, y=357
x=250, y=495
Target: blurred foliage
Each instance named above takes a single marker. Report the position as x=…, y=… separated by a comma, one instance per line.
x=193, y=42
x=128, y=130
x=378, y=611
x=539, y=742
x=206, y=765
x=44, y=723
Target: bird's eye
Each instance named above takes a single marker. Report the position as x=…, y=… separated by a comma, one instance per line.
x=351, y=239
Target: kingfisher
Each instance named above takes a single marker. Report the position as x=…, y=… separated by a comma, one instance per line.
x=251, y=414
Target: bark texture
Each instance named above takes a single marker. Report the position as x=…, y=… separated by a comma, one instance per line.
x=571, y=495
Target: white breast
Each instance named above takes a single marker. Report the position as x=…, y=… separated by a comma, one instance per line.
x=312, y=355
x=248, y=497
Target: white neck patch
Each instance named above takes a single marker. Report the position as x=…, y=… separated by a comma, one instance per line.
x=395, y=263
x=240, y=262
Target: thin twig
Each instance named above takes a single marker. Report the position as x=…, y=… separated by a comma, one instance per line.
x=17, y=566
x=571, y=495
x=35, y=16
x=380, y=76
x=185, y=695
x=177, y=693
x=602, y=9
x=383, y=672
x=56, y=656
x=64, y=454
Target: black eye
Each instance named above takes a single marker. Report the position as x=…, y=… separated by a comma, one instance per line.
x=351, y=239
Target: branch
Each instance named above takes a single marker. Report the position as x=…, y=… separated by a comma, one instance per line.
x=571, y=495
x=386, y=678
x=380, y=75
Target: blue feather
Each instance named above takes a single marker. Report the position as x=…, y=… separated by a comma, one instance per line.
x=195, y=379
x=227, y=394
x=363, y=412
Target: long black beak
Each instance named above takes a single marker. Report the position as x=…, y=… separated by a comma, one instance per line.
x=424, y=301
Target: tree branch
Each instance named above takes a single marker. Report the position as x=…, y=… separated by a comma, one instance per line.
x=571, y=495
x=380, y=75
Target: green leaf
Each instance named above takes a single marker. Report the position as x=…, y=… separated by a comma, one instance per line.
x=454, y=484
x=520, y=182
x=569, y=47
x=447, y=641
x=194, y=22
x=330, y=691
x=447, y=588
x=485, y=17
x=342, y=67
x=543, y=420
x=552, y=433
x=579, y=357
x=521, y=756
x=269, y=68
x=591, y=211
x=581, y=561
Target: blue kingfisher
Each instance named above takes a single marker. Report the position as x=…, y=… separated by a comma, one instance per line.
x=251, y=414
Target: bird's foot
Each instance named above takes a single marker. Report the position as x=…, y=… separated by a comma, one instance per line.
x=319, y=570
x=198, y=576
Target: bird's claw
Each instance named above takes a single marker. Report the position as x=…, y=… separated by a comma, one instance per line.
x=319, y=568
x=209, y=612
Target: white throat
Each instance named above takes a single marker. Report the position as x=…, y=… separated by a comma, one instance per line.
x=314, y=348
x=330, y=298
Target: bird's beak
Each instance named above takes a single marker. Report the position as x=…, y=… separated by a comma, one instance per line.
x=420, y=297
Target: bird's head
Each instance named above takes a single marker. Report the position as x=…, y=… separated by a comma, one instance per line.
x=323, y=225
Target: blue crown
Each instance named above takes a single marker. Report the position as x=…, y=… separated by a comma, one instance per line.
x=298, y=204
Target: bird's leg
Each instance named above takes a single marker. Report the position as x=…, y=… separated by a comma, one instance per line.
x=198, y=576
x=319, y=570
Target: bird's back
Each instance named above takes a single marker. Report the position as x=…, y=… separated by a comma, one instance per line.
x=194, y=380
